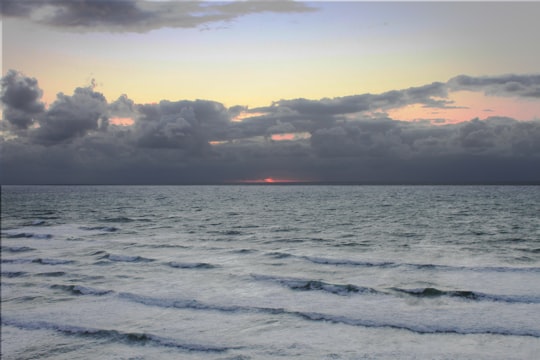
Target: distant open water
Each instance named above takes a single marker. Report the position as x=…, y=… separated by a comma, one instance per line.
x=267, y=272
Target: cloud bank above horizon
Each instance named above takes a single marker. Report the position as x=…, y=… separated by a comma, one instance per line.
x=85, y=138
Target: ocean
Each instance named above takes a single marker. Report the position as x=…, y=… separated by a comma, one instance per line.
x=270, y=272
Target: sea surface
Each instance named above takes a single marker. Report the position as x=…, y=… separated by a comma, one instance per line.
x=270, y=272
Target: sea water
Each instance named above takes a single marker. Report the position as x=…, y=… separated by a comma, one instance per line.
x=269, y=272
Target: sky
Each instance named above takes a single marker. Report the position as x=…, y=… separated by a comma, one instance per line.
x=177, y=92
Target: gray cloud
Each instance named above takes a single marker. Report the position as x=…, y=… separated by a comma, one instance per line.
x=187, y=125
x=428, y=95
x=525, y=86
x=122, y=107
x=386, y=138
x=71, y=116
x=21, y=97
x=138, y=15
x=173, y=141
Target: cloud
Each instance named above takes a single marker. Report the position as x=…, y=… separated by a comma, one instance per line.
x=167, y=127
x=187, y=125
x=524, y=86
x=71, y=116
x=139, y=15
x=346, y=139
x=324, y=110
x=386, y=138
x=21, y=97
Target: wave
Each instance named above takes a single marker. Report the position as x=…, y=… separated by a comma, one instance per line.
x=420, y=328
x=244, y=251
x=285, y=229
x=97, y=252
x=17, y=249
x=81, y=290
x=39, y=222
x=118, y=219
x=279, y=255
x=52, y=274
x=199, y=265
x=317, y=285
x=180, y=303
x=162, y=246
x=430, y=292
x=327, y=261
x=391, y=264
x=12, y=234
x=52, y=261
x=247, y=226
x=16, y=261
x=132, y=338
x=99, y=228
x=227, y=232
x=433, y=292
x=43, y=261
x=12, y=274
x=126, y=258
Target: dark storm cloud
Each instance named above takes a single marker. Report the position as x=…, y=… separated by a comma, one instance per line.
x=138, y=15
x=348, y=139
x=21, y=97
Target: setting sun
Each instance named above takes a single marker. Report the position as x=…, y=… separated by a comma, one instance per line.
x=272, y=180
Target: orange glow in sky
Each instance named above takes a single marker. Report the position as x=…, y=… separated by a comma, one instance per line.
x=470, y=105
x=290, y=136
x=120, y=121
x=280, y=137
x=244, y=115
